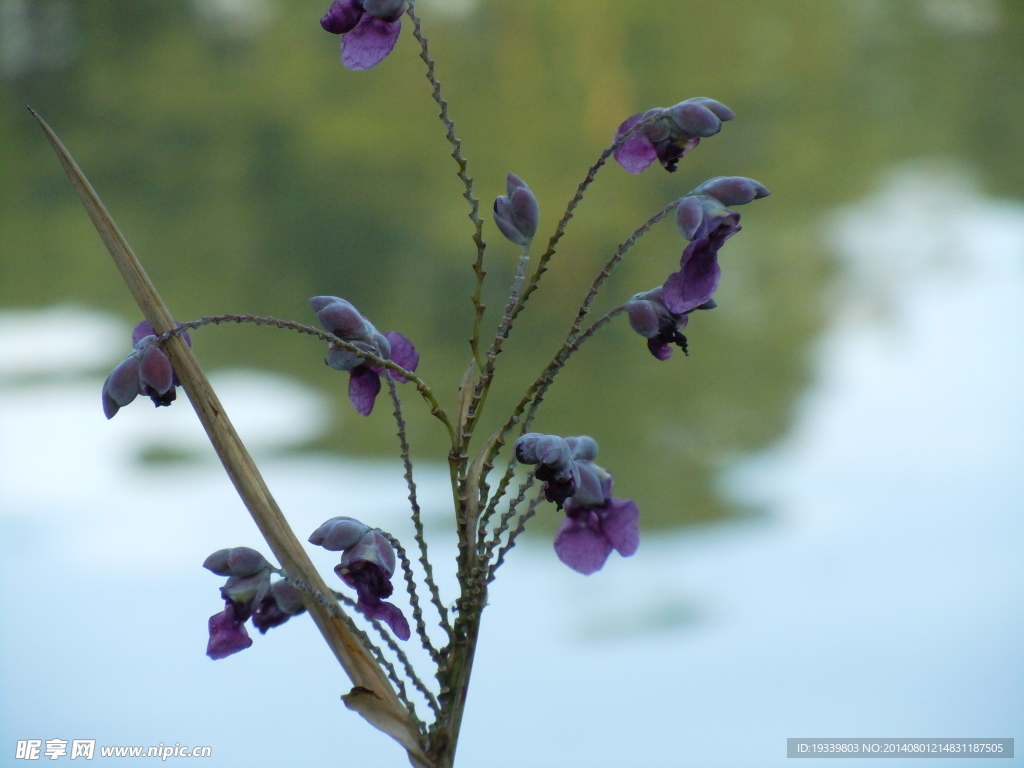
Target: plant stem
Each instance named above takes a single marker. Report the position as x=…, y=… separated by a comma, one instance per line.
x=355, y=658
x=467, y=180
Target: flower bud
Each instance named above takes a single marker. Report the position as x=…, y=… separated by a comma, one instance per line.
x=236, y=561
x=338, y=533
x=339, y=317
x=582, y=447
x=689, y=216
x=695, y=119
x=732, y=190
x=643, y=317
x=719, y=109
x=517, y=213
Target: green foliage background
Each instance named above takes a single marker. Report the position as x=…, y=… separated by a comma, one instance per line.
x=251, y=171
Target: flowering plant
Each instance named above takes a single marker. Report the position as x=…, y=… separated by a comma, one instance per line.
x=488, y=518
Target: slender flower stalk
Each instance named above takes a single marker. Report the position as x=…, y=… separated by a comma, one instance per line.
x=463, y=174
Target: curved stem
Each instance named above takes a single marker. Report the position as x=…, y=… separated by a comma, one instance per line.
x=424, y=390
x=467, y=180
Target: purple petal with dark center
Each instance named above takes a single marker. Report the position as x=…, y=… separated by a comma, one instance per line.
x=620, y=521
x=637, y=152
x=367, y=45
x=580, y=546
x=390, y=614
x=403, y=353
x=362, y=389
x=342, y=16
x=155, y=369
x=227, y=634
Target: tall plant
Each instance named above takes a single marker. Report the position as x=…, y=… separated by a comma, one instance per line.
x=488, y=515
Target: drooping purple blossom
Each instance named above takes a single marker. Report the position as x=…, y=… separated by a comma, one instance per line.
x=704, y=218
x=339, y=317
x=595, y=523
x=588, y=535
x=248, y=592
x=367, y=565
x=369, y=29
x=248, y=583
x=146, y=371
x=670, y=133
x=517, y=212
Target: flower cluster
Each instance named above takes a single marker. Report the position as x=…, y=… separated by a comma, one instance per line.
x=339, y=317
x=670, y=133
x=248, y=593
x=367, y=565
x=146, y=371
x=704, y=218
x=368, y=28
x=594, y=523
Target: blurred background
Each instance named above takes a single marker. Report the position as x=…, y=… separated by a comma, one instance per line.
x=830, y=482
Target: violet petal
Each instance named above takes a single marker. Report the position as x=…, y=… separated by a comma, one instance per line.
x=367, y=45
x=141, y=331
x=363, y=387
x=403, y=353
x=697, y=280
x=122, y=385
x=155, y=369
x=342, y=16
x=390, y=614
x=620, y=521
x=581, y=547
x=637, y=152
x=227, y=634
x=659, y=349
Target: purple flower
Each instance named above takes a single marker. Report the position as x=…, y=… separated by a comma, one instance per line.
x=339, y=317
x=368, y=28
x=517, y=213
x=670, y=134
x=704, y=218
x=595, y=523
x=247, y=593
x=367, y=565
x=146, y=371
x=557, y=469
x=588, y=534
